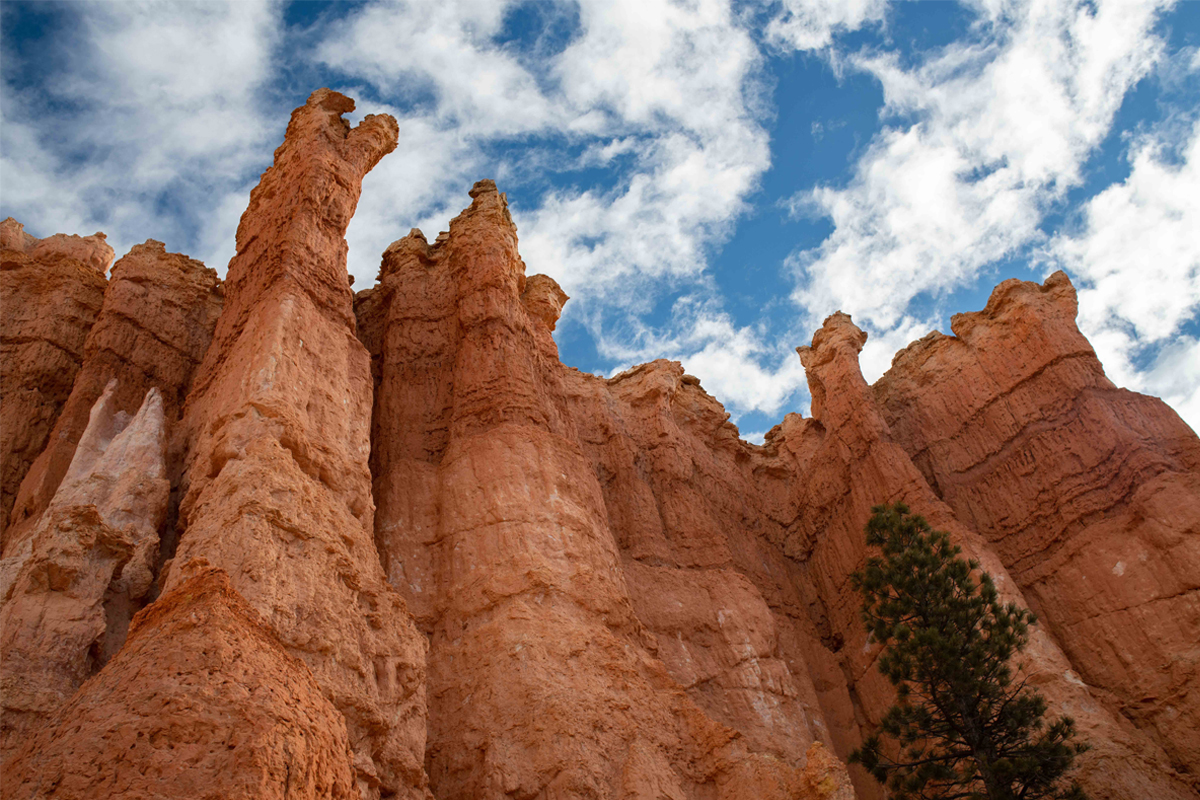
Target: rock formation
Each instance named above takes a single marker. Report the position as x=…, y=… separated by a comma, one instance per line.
x=543, y=680
x=420, y=557
x=70, y=589
x=153, y=328
x=855, y=442
x=202, y=702
x=277, y=487
x=52, y=289
x=1087, y=494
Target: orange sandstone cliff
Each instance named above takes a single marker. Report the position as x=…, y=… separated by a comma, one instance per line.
x=51, y=291
x=264, y=538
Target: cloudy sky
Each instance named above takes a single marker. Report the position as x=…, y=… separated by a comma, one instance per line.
x=707, y=179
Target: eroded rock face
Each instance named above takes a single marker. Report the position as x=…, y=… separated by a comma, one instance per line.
x=572, y=586
x=522, y=502
x=853, y=464
x=545, y=675
x=278, y=492
x=1089, y=494
x=71, y=588
x=52, y=290
x=202, y=702
x=153, y=329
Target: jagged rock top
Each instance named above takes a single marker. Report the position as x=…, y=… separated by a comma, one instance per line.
x=91, y=251
x=837, y=334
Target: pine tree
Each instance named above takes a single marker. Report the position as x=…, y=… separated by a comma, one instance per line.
x=961, y=727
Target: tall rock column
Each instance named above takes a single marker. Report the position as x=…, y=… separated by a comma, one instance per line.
x=278, y=492
x=857, y=465
x=1089, y=494
x=51, y=290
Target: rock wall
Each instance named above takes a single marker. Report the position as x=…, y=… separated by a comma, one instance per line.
x=734, y=559
x=154, y=326
x=52, y=290
x=202, y=702
x=70, y=590
x=855, y=443
x=543, y=679
x=417, y=556
x=1087, y=493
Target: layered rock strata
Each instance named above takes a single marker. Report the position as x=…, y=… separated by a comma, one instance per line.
x=202, y=702
x=154, y=326
x=71, y=588
x=52, y=290
x=277, y=487
x=572, y=586
x=734, y=559
x=1087, y=493
x=544, y=677
x=851, y=443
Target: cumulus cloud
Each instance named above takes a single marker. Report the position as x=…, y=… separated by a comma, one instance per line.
x=664, y=98
x=812, y=24
x=634, y=134
x=660, y=95
x=983, y=136
x=749, y=368
x=152, y=125
x=1137, y=260
x=683, y=80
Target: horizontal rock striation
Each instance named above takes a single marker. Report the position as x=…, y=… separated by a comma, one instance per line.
x=545, y=679
x=734, y=559
x=1089, y=494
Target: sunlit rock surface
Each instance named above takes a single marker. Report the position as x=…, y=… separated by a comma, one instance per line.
x=406, y=552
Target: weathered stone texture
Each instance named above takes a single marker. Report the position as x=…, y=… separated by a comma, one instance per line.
x=418, y=556
x=51, y=290
x=1089, y=494
x=502, y=475
x=277, y=487
x=202, y=703
x=71, y=588
x=153, y=329
x=855, y=464
x=547, y=673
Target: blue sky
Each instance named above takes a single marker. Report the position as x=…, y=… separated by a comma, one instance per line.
x=708, y=180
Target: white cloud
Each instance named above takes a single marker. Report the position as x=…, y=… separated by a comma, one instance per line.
x=876, y=356
x=1137, y=260
x=986, y=135
x=169, y=118
x=662, y=95
x=684, y=79
x=748, y=368
x=155, y=109
x=812, y=24
x=404, y=49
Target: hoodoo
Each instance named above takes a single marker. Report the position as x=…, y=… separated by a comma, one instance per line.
x=267, y=538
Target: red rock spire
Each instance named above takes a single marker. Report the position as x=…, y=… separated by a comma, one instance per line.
x=278, y=492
